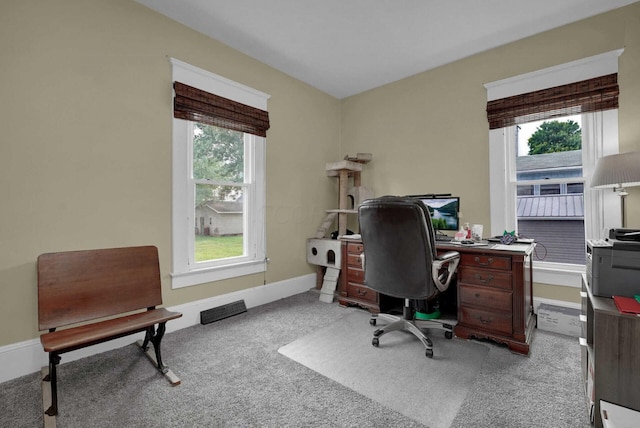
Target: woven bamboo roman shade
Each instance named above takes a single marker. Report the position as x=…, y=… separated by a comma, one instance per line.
x=599, y=93
x=197, y=105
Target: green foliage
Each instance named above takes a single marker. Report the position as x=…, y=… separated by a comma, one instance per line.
x=218, y=155
x=439, y=223
x=555, y=136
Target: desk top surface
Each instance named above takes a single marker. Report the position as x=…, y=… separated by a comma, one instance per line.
x=486, y=246
x=479, y=247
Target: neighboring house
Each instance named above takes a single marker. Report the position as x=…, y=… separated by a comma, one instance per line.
x=219, y=218
x=553, y=214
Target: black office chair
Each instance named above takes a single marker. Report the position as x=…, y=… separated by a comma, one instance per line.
x=400, y=260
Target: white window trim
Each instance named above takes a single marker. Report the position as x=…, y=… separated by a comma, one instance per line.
x=600, y=140
x=184, y=273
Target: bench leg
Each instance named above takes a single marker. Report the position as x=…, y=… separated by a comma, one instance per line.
x=155, y=336
x=52, y=377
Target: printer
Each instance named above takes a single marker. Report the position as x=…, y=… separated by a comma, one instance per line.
x=613, y=264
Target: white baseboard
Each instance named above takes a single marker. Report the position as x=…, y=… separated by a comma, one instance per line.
x=23, y=358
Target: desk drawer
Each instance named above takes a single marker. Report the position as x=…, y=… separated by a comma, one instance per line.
x=480, y=296
x=485, y=277
x=354, y=260
x=354, y=248
x=486, y=261
x=355, y=275
x=361, y=292
x=486, y=320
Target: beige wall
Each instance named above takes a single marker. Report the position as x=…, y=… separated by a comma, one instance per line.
x=429, y=133
x=85, y=128
x=85, y=151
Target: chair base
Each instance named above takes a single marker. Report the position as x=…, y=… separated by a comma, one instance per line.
x=413, y=326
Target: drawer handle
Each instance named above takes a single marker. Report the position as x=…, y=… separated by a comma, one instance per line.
x=361, y=292
x=487, y=263
x=484, y=281
x=484, y=321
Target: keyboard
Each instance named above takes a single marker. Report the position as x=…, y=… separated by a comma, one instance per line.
x=443, y=238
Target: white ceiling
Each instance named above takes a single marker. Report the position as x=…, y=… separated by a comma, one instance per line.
x=344, y=47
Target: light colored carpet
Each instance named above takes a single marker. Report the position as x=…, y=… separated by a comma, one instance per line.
x=397, y=374
x=233, y=376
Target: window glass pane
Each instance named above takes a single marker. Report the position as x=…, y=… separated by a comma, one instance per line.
x=218, y=154
x=552, y=214
x=525, y=190
x=219, y=222
x=575, y=187
x=549, y=189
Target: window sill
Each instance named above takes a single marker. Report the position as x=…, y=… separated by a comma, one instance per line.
x=558, y=274
x=202, y=276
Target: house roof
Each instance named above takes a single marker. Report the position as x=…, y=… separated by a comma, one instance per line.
x=226, y=207
x=557, y=207
x=572, y=158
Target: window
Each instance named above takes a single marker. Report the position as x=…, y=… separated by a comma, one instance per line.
x=218, y=179
x=548, y=163
x=511, y=184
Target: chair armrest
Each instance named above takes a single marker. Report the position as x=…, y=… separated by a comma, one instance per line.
x=449, y=260
x=448, y=256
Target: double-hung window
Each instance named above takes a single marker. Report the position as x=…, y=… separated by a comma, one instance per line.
x=218, y=217
x=547, y=196
x=549, y=187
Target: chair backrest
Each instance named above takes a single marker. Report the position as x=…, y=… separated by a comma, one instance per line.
x=399, y=247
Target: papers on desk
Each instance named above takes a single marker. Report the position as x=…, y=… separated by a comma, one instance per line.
x=475, y=244
x=512, y=247
x=355, y=237
x=517, y=241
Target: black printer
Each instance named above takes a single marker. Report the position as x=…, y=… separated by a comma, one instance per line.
x=613, y=264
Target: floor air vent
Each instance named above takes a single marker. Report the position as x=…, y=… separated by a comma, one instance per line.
x=222, y=312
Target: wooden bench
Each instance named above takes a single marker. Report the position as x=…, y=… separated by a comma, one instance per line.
x=85, y=287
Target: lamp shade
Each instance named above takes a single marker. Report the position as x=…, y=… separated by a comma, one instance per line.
x=618, y=170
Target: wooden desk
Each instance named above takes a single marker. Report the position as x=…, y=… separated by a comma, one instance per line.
x=495, y=296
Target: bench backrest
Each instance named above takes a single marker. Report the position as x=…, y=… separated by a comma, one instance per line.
x=79, y=286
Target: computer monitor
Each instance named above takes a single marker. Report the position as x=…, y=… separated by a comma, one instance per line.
x=444, y=211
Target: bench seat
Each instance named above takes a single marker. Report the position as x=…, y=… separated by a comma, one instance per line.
x=61, y=341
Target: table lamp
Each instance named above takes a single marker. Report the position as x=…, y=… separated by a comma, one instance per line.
x=618, y=171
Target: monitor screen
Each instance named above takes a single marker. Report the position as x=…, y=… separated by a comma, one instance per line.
x=444, y=211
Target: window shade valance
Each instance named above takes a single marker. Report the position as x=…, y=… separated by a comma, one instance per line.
x=599, y=93
x=197, y=105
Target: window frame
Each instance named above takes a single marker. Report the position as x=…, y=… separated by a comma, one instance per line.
x=600, y=138
x=185, y=271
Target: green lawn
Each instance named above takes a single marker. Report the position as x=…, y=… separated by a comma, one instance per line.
x=218, y=247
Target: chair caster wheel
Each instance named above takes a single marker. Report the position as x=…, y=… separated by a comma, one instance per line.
x=429, y=353
x=448, y=334
x=372, y=321
x=375, y=342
